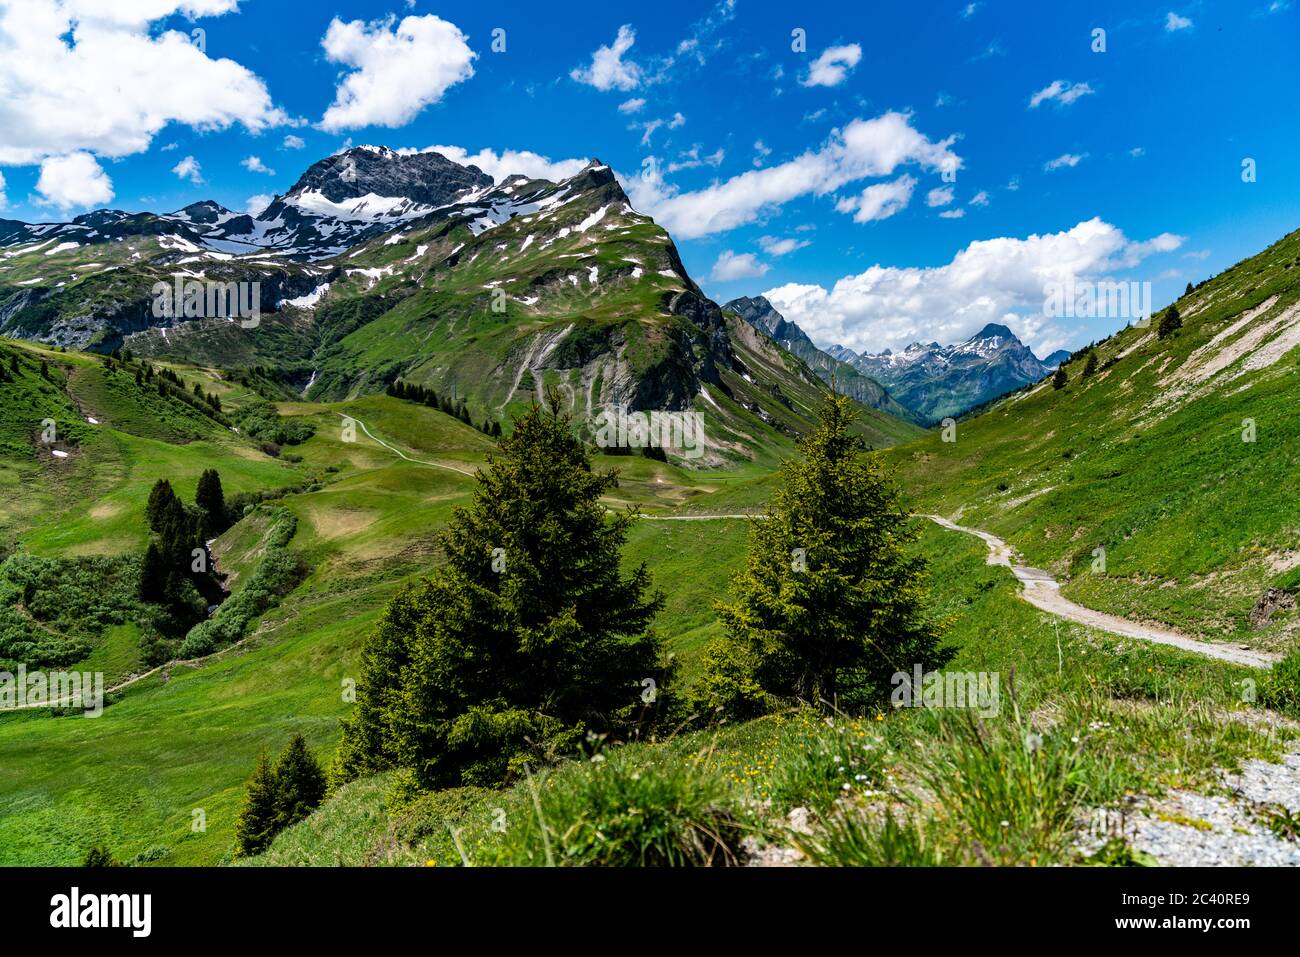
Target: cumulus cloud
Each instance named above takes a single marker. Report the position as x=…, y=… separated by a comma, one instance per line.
x=939, y=196
x=1060, y=91
x=952, y=214
x=980, y=199
x=397, y=69
x=864, y=149
x=254, y=164
x=292, y=142
x=879, y=201
x=731, y=265
x=1069, y=160
x=633, y=105
x=992, y=280
x=1174, y=22
x=74, y=181
x=509, y=162
x=833, y=66
x=608, y=70
x=56, y=54
x=189, y=169
x=780, y=247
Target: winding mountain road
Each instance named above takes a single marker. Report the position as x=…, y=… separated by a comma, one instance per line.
x=1043, y=591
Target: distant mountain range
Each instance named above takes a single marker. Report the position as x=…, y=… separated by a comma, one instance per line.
x=923, y=383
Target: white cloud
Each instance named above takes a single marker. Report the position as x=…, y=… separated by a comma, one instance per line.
x=254, y=164
x=939, y=196
x=1174, y=22
x=1197, y=254
x=980, y=199
x=292, y=142
x=952, y=214
x=676, y=121
x=969, y=10
x=83, y=75
x=761, y=152
x=169, y=147
x=691, y=159
x=879, y=201
x=992, y=280
x=1137, y=152
x=781, y=247
x=833, y=66
x=943, y=99
x=1061, y=91
x=608, y=70
x=864, y=149
x=633, y=105
x=732, y=266
x=397, y=72
x=74, y=181
x=509, y=162
x=189, y=169
x=1065, y=159
x=254, y=205
x=3, y=199
x=1013, y=184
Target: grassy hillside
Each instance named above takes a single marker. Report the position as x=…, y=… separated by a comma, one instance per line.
x=1177, y=457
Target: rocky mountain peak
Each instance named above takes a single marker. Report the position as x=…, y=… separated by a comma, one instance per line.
x=428, y=178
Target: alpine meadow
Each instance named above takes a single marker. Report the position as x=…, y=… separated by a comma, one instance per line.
x=885, y=454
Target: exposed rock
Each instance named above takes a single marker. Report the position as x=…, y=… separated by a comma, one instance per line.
x=1273, y=600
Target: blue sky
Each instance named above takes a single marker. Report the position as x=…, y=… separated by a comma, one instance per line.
x=914, y=171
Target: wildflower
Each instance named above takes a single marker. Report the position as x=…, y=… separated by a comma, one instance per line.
x=1033, y=742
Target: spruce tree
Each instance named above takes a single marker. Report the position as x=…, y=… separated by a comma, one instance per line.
x=300, y=783
x=1170, y=322
x=212, y=500
x=256, y=825
x=153, y=575
x=160, y=497
x=832, y=600
x=1090, y=366
x=529, y=636
x=1060, y=377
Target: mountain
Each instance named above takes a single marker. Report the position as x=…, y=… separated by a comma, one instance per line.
x=937, y=381
x=1053, y=361
x=761, y=314
x=379, y=265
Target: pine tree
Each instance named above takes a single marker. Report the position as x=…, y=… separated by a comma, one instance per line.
x=100, y=856
x=1090, y=366
x=1188, y=290
x=212, y=500
x=256, y=825
x=1060, y=378
x=832, y=601
x=300, y=783
x=1170, y=322
x=528, y=636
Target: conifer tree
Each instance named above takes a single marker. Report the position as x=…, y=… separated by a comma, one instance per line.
x=1170, y=322
x=529, y=636
x=1060, y=377
x=300, y=783
x=832, y=601
x=160, y=497
x=1090, y=366
x=257, y=823
x=212, y=500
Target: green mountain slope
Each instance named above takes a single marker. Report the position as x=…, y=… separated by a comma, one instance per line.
x=1178, y=457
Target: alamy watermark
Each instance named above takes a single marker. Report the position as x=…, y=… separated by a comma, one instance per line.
x=680, y=432
x=946, y=689
x=191, y=299
x=1098, y=300
x=52, y=689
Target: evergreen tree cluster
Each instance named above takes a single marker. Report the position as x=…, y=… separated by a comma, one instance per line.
x=1170, y=322
x=279, y=795
x=175, y=574
x=425, y=396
